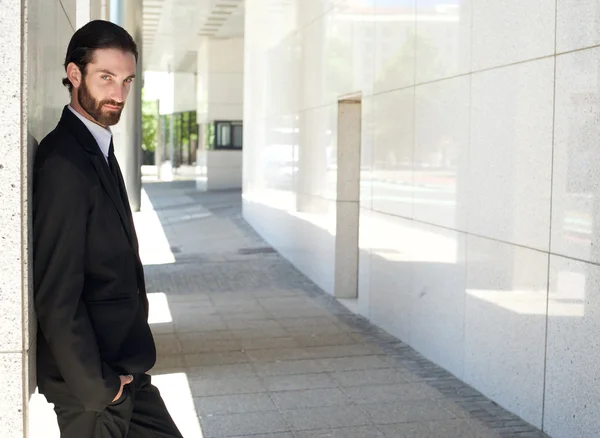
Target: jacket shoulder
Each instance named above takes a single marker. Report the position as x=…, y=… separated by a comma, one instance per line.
x=59, y=154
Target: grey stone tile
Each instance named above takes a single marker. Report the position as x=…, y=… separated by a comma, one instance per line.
x=221, y=371
x=327, y=329
x=215, y=358
x=168, y=363
x=328, y=417
x=277, y=354
x=269, y=435
x=233, y=404
x=199, y=320
x=260, y=333
x=344, y=432
x=186, y=310
x=289, y=302
x=308, y=312
x=267, y=324
x=352, y=328
x=482, y=430
x=389, y=376
x=325, y=340
x=266, y=343
x=218, y=426
x=407, y=411
x=233, y=385
x=319, y=365
x=366, y=338
x=279, y=292
x=342, y=350
x=309, y=398
x=195, y=299
x=200, y=345
x=245, y=307
x=318, y=321
x=233, y=300
x=246, y=316
x=453, y=408
x=162, y=328
x=200, y=324
x=430, y=429
x=288, y=367
x=196, y=337
x=351, y=363
x=391, y=393
x=167, y=344
x=165, y=371
x=232, y=308
x=298, y=381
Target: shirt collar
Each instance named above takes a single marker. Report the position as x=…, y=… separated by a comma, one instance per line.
x=102, y=135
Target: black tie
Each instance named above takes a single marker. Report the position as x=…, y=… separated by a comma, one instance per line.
x=114, y=166
x=118, y=177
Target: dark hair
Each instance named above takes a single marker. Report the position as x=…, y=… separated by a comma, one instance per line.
x=97, y=34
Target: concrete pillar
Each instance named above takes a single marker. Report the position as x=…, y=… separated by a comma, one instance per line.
x=160, y=138
x=128, y=132
x=88, y=10
x=172, y=140
x=14, y=217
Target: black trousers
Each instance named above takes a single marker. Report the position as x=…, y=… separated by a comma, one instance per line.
x=139, y=413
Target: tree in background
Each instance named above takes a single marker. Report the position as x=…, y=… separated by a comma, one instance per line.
x=149, y=129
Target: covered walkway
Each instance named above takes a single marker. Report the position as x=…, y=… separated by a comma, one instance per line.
x=249, y=347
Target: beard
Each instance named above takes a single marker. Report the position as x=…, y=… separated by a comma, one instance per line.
x=95, y=108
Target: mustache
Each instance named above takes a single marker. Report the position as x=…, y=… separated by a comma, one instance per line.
x=112, y=103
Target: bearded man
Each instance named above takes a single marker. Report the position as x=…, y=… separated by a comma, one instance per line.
x=94, y=344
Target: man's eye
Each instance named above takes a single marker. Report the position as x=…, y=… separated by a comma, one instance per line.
x=106, y=77
x=129, y=80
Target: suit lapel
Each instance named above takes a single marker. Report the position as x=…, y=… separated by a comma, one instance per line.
x=76, y=127
x=111, y=188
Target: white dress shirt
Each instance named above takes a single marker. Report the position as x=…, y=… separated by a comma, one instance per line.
x=101, y=135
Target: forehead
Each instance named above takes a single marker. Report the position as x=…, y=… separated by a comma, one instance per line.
x=115, y=60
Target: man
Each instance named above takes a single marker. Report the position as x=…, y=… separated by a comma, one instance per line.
x=94, y=344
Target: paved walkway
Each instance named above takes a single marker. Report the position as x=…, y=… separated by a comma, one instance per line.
x=249, y=347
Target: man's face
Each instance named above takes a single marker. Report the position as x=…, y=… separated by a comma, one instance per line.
x=106, y=84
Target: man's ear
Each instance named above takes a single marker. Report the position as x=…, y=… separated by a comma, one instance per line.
x=74, y=74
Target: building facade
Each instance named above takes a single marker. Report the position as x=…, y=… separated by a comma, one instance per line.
x=472, y=234
x=430, y=163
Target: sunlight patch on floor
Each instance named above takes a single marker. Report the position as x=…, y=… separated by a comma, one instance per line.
x=159, y=308
x=176, y=392
x=42, y=419
x=154, y=245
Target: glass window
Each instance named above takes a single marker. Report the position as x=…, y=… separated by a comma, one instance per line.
x=229, y=135
x=225, y=135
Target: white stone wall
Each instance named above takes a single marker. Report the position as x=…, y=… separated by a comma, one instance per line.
x=13, y=341
x=220, y=79
x=184, y=92
x=34, y=35
x=479, y=215
x=219, y=169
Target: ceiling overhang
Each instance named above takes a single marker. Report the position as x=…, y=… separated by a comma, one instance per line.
x=173, y=30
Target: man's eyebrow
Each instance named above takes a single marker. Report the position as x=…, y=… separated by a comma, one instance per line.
x=108, y=72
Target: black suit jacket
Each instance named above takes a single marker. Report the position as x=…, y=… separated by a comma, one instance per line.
x=89, y=291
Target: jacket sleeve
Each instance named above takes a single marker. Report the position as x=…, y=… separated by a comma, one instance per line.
x=60, y=211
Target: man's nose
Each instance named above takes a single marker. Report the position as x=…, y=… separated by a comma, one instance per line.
x=118, y=94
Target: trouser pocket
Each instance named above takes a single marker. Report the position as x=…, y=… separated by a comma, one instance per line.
x=124, y=395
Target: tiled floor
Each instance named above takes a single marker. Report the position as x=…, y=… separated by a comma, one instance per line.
x=249, y=347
